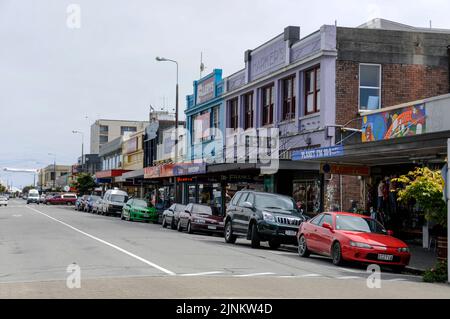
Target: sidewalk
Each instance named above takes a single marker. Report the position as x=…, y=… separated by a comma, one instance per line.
x=421, y=258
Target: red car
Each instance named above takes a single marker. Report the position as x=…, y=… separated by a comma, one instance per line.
x=351, y=237
x=199, y=218
x=64, y=199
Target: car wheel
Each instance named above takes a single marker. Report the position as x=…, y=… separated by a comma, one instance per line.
x=122, y=217
x=255, y=240
x=229, y=237
x=129, y=217
x=274, y=244
x=164, y=223
x=172, y=224
x=189, y=228
x=179, y=228
x=336, y=254
x=303, y=250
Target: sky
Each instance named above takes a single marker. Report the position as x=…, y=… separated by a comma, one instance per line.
x=58, y=74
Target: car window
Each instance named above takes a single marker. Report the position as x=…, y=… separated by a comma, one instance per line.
x=242, y=199
x=235, y=199
x=327, y=218
x=119, y=198
x=201, y=209
x=251, y=198
x=317, y=220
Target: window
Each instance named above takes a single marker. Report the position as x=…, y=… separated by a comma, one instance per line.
x=243, y=199
x=233, y=111
x=215, y=117
x=327, y=219
x=317, y=220
x=288, y=86
x=267, y=104
x=103, y=139
x=124, y=129
x=236, y=198
x=369, y=86
x=312, y=90
x=104, y=129
x=248, y=110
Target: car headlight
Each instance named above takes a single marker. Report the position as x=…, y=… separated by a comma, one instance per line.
x=360, y=245
x=403, y=250
x=268, y=216
x=199, y=221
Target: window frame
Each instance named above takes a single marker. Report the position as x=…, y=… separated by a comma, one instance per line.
x=270, y=106
x=234, y=120
x=369, y=87
x=291, y=99
x=315, y=91
x=247, y=117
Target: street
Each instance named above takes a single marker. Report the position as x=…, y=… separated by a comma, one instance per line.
x=120, y=259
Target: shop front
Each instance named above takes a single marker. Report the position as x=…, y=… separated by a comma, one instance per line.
x=109, y=178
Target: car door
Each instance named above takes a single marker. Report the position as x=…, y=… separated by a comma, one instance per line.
x=324, y=235
x=240, y=225
x=310, y=232
x=127, y=208
x=184, y=215
x=247, y=213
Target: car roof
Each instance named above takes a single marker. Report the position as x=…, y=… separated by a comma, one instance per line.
x=346, y=214
x=261, y=193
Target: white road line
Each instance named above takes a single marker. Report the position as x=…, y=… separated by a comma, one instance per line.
x=202, y=273
x=255, y=274
x=107, y=243
x=347, y=277
x=352, y=270
x=309, y=275
x=396, y=279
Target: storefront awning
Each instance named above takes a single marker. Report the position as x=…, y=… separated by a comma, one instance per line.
x=110, y=173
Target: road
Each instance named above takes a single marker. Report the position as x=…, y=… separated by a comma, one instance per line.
x=120, y=259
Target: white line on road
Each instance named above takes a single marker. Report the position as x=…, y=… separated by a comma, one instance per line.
x=255, y=274
x=107, y=243
x=348, y=277
x=203, y=273
x=310, y=275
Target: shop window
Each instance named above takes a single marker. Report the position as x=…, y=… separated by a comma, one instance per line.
x=288, y=98
x=369, y=86
x=306, y=194
x=268, y=100
x=248, y=110
x=312, y=91
x=233, y=111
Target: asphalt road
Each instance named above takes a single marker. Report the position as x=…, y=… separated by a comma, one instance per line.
x=120, y=259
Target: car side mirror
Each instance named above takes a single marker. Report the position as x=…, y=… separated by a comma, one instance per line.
x=327, y=226
x=186, y=211
x=390, y=233
x=247, y=205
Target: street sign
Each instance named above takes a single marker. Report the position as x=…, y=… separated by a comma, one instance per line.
x=316, y=153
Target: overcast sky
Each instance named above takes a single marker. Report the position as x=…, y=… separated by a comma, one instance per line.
x=54, y=79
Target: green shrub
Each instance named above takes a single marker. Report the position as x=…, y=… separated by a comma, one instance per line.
x=437, y=273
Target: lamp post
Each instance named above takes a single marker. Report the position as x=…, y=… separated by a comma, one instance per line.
x=161, y=59
x=82, y=148
x=54, y=170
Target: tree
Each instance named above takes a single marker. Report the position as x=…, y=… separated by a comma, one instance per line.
x=26, y=189
x=426, y=187
x=84, y=183
x=2, y=188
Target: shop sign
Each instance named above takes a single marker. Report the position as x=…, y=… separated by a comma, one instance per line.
x=233, y=178
x=205, y=90
x=316, y=153
x=189, y=169
x=110, y=173
x=407, y=121
x=345, y=169
x=152, y=172
x=166, y=170
x=185, y=179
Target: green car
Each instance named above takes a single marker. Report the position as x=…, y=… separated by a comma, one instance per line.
x=139, y=209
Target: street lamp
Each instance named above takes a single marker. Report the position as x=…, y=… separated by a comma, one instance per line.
x=161, y=59
x=54, y=170
x=82, y=148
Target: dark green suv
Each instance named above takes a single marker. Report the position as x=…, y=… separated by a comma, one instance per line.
x=259, y=216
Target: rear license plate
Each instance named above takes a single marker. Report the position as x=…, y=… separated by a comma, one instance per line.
x=212, y=227
x=290, y=233
x=385, y=257
x=146, y=215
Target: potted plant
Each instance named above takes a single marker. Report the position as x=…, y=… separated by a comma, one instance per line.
x=426, y=187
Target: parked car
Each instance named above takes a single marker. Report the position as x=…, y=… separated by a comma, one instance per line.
x=89, y=203
x=3, y=201
x=200, y=218
x=97, y=205
x=42, y=198
x=47, y=197
x=171, y=215
x=260, y=216
x=139, y=209
x=33, y=196
x=352, y=237
x=64, y=199
x=113, y=202
x=80, y=202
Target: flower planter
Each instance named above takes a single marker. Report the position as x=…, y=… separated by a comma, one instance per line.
x=442, y=249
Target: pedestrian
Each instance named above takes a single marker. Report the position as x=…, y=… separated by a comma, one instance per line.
x=380, y=192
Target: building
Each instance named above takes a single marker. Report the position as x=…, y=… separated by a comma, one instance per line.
x=104, y=131
x=48, y=176
x=90, y=163
x=111, y=158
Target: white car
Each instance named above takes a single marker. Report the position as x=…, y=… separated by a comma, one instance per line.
x=3, y=201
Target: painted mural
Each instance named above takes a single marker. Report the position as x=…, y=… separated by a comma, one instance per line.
x=402, y=122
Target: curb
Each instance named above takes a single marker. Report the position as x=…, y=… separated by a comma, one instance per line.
x=414, y=271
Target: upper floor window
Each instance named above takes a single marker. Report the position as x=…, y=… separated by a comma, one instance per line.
x=248, y=110
x=104, y=129
x=124, y=129
x=103, y=139
x=312, y=90
x=233, y=112
x=369, y=86
x=288, y=86
x=215, y=117
x=268, y=100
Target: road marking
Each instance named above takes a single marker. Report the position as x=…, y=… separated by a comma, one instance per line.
x=351, y=270
x=255, y=274
x=107, y=243
x=17, y=215
x=202, y=273
x=347, y=277
x=396, y=279
x=309, y=275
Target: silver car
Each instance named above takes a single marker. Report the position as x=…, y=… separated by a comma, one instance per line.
x=113, y=202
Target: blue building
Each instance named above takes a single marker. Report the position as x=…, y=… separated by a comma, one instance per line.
x=205, y=120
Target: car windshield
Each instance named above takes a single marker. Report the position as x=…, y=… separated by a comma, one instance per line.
x=94, y=198
x=140, y=203
x=359, y=224
x=119, y=198
x=200, y=209
x=269, y=201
